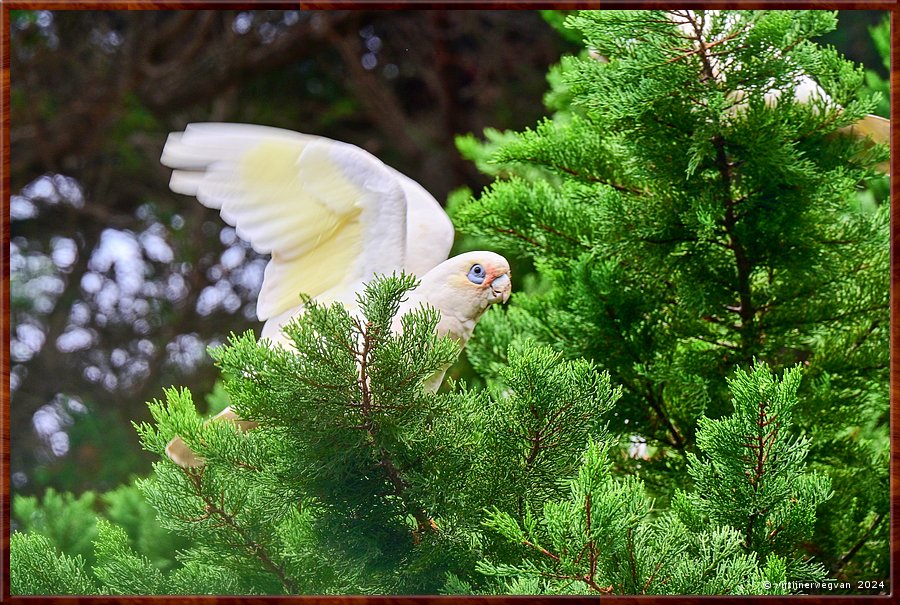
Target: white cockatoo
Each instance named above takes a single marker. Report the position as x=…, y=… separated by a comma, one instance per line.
x=332, y=216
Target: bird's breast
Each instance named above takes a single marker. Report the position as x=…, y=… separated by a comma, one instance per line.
x=458, y=328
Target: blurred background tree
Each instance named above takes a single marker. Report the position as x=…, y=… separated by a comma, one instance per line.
x=118, y=285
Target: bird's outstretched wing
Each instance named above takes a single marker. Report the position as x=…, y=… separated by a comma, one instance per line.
x=330, y=214
x=429, y=232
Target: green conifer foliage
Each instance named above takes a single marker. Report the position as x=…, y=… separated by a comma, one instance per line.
x=684, y=223
x=734, y=532
x=511, y=489
x=753, y=476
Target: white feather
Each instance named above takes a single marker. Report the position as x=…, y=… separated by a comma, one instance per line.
x=330, y=214
x=429, y=232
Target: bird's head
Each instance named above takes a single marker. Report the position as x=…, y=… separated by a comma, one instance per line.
x=484, y=276
x=468, y=284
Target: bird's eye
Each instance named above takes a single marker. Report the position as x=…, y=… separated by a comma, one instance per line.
x=476, y=274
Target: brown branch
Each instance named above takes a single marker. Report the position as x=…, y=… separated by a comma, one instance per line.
x=589, y=178
x=831, y=318
x=366, y=403
x=650, y=579
x=247, y=542
x=518, y=235
x=742, y=261
x=256, y=549
x=703, y=47
x=661, y=413
x=761, y=445
x=542, y=550
x=587, y=578
x=560, y=234
x=539, y=439
x=629, y=538
x=719, y=343
x=423, y=522
x=863, y=337
x=592, y=549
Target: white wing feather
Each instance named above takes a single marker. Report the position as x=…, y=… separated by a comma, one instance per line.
x=429, y=232
x=331, y=214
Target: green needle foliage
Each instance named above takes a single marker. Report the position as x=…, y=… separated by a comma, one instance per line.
x=687, y=396
x=687, y=215
x=754, y=472
x=754, y=501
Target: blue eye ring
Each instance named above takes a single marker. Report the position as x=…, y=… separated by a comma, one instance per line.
x=477, y=274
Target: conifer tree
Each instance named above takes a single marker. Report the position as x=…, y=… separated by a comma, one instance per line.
x=682, y=223
x=679, y=400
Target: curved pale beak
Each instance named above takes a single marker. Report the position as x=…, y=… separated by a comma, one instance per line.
x=502, y=287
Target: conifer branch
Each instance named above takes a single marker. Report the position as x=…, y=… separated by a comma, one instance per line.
x=592, y=550
x=423, y=521
x=629, y=544
x=858, y=342
x=254, y=548
x=585, y=578
x=518, y=235
x=831, y=318
x=584, y=177
x=702, y=47
x=659, y=407
x=718, y=343
x=647, y=392
x=815, y=287
x=559, y=233
x=246, y=541
x=761, y=445
x=541, y=550
x=652, y=575
x=539, y=439
x=366, y=403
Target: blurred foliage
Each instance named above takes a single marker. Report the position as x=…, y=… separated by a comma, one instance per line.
x=70, y=523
